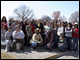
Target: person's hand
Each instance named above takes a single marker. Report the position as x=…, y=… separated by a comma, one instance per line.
x=40, y=42
x=28, y=34
x=49, y=45
x=19, y=38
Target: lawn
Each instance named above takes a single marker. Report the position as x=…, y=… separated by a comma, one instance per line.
x=6, y=56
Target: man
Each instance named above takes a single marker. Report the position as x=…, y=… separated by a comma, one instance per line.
x=18, y=37
x=49, y=40
x=40, y=26
x=37, y=39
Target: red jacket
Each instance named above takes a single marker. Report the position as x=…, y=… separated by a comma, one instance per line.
x=5, y=24
x=32, y=29
x=75, y=34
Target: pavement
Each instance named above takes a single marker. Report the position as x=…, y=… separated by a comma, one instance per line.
x=69, y=56
x=37, y=53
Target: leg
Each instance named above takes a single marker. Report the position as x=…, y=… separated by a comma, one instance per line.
x=22, y=43
x=73, y=44
x=76, y=43
x=7, y=45
x=69, y=43
x=51, y=45
x=14, y=44
x=33, y=44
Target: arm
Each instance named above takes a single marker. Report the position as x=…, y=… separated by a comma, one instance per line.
x=41, y=38
x=35, y=39
x=51, y=39
x=22, y=35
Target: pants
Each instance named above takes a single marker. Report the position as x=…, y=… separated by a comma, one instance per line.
x=50, y=45
x=35, y=44
x=15, y=41
x=69, y=43
x=75, y=44
x=62, y=47
x=55, y=39
x=28, y=39
x=7, y=44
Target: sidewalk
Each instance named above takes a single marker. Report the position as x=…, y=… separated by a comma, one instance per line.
x=70, y=56
x=37, y=53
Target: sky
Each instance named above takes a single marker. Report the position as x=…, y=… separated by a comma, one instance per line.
x=41, y=8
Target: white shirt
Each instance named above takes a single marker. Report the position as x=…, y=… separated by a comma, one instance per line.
x=59, y=31
x=19, y=34
x=47, y=29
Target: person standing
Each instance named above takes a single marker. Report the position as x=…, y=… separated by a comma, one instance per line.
x=28, y=33
x=75, y=37
x=68, y=31
x=4, y=22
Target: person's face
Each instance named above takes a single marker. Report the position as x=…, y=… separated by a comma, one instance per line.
x=59, y=25
x=47, y=23
x=16, y=22
x=54, y=25
x=75, y=25
x=9, y=30
x=29, y=23
x=17, y=28
x=39, y=21
x=4, y=18
x=61, y=36
x=68, y=25
x=37, y=31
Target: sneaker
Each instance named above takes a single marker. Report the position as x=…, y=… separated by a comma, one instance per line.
x=72, y=51
x=6, y=50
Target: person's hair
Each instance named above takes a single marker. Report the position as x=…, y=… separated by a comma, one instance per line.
x=70, y=25
x=29, y=22
x=9, y=27
x=5, y=19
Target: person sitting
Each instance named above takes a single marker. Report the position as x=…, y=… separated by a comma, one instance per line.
x=62, y=43
x=37, y=39
x=3, y=31
x=49, y=41
x=18, y=37
x=8, y=38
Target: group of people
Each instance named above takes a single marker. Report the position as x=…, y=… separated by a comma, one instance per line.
x=37, y=33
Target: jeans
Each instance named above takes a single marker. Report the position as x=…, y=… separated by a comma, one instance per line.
x=7, y=44
x=50, y=45
x=75, y=44
x=35, y=44
x=62, y=47
x=55, y=39
x=69, y=43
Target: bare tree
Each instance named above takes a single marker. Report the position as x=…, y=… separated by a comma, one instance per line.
x=23, y=13
x=74, y=17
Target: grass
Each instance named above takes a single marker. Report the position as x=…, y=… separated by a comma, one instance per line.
x=6, y=56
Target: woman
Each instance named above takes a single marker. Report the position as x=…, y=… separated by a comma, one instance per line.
x=8, y=38
x=47, y=28
x=3, y=31
x=29, y=32
x=75, y=37
x=62, y=43
x=4, y=22
x=59, y=30
x=55, y=34
x=68, y=31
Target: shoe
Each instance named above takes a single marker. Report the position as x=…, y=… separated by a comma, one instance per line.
x=31, y=48
x=72, y=51
x=6, y=50
x=50, y=50
x=22, y=49
x=77, y=52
